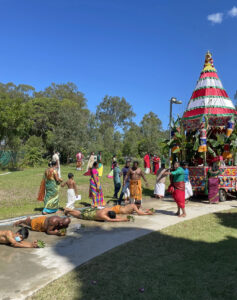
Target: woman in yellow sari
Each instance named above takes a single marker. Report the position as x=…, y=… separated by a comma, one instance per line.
x=49, y=189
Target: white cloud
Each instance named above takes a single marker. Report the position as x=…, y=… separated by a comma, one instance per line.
x=233, y=12
x=215, y=18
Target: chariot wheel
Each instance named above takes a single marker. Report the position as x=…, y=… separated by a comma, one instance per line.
x=222, y=195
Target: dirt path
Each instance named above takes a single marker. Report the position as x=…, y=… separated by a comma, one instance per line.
x=24, y=271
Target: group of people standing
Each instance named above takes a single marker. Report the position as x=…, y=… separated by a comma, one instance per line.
x=180, y=186
x=152, y=163
x=129, y=178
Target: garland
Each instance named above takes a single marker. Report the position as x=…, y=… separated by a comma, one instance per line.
x=209, y=106
x=204, y=78
x=215, y=115
x=209, y=87
x=208, y=96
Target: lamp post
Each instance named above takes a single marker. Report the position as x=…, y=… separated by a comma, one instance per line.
x=175, y=101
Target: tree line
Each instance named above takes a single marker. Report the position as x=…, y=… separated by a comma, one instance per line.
x=57, y=118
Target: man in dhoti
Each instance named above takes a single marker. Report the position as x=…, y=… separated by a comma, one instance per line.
x=57, y=160
x=130, y=209
x=135, y=185
x=49, y=225
x=159, y=190
x=188, y=186
x=95, y=214
x=178, y=184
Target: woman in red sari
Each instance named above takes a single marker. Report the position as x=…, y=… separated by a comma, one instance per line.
x=147, y=164
x=156, y=162
x=178, y=188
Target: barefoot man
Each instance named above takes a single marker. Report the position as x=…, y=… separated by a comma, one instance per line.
x=179, y=188
x=129, y=209
x=95, y=214
x=49, y=225
x=16, y=240
x=134, y=174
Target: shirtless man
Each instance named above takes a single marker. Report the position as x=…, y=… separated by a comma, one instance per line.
x=72, y=193
x=49, y=225
x=134, y=174
x=16, y=240
x=129, y=209
x=95, y=214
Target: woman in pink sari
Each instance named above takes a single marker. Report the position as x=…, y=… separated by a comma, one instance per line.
x=213, y=184
x=96, y=192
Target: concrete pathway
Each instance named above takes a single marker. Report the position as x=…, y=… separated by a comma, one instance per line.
x=24, y=271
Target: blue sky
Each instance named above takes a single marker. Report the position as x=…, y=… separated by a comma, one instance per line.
x=144, y=50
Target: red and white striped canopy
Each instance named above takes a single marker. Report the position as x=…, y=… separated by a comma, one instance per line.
x=208, y=99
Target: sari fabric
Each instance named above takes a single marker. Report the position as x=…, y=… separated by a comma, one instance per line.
x=147, y=163
x=213, y=190
x=213, y=186
x=156, y=163
x=179, y=187
x=97, y=197
x=100, y=169
x=51, y=198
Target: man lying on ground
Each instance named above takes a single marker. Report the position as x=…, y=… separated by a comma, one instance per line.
x=95, y=214
x=50, y=225
x=16, y=240
x=130, y=208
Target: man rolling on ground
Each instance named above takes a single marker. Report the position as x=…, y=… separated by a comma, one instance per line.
x=95, y=214
x=49, y=225
x=7, y=237
x=129, y=209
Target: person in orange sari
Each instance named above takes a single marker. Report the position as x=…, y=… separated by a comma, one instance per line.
x=49, y=189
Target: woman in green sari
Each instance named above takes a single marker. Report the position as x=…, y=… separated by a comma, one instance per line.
x=49, y=190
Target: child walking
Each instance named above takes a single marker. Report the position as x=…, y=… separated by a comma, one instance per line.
x=72, y=194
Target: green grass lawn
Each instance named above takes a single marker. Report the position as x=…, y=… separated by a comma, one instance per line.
x=18, y=190
x=196, y=259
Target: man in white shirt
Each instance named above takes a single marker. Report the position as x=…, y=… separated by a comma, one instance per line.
x=57, y=160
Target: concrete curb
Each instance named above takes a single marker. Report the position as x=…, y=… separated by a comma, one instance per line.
x=9, y=222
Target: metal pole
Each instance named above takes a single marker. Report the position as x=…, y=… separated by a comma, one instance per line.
x=171, y=102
